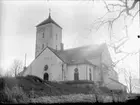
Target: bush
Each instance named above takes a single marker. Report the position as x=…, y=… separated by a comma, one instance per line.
x=15, y=95
x=2, y=84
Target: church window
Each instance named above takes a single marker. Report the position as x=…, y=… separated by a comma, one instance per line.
x=62, y=71
x=90, y=76
x=45, y=67
x=76, y=74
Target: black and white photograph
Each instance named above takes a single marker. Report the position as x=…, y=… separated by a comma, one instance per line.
x=69, y=51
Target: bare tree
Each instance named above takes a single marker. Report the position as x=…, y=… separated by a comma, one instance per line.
x=128, y=79
x=16, y=67
x=8, y=73
x=123, y=8
x=124, y=11
x=0, y=72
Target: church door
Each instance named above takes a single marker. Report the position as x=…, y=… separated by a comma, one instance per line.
x=76, y=74
x=46, y=76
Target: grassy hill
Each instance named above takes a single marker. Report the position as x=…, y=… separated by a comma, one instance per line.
x=34, y=87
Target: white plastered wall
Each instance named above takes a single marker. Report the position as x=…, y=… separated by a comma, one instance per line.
x=54, y=63
x=83, y=70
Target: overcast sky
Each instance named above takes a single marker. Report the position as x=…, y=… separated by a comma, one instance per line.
x=19, y=18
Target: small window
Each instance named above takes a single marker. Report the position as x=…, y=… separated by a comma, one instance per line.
x=43, y=35
x=45, y=67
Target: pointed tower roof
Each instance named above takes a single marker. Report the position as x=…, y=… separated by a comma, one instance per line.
x=48, y=20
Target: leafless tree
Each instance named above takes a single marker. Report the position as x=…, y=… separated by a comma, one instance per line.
x=8, y=73
x=124, y=11
x=128, y=78
x=16, y=67
x=121, y=10
x=117, y=10
x=0, y=72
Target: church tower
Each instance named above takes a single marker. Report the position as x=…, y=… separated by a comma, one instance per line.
x=48, y=33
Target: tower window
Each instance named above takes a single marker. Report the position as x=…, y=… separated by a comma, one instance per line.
x=56, y=36
x=42, y=46
x=43, y=35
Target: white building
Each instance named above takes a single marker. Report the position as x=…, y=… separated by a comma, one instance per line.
x=53, y=63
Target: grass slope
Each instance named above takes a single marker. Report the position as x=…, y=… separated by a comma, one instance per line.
x=35, y=87
x=41, y=87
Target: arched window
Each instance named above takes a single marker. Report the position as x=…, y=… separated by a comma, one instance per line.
x=90, y=76
x=46, y=76
x=76, y=74
x=45, y=67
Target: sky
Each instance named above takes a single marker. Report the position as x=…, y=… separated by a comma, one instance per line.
x=19, y=20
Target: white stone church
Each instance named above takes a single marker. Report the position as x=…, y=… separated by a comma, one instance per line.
x=52, y=62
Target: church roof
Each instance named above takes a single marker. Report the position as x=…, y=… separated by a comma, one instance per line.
x=80, y=54
x=48, y=20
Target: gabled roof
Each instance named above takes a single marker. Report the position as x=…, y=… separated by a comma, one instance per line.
x=48, y=20
x=80, y=54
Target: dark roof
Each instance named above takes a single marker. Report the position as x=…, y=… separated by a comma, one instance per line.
x=48, y=20
x=80, y=54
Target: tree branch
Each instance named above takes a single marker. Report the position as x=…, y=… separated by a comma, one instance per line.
x=133, y=5
x=115, y=5
x=135, y=15
x=106, y=6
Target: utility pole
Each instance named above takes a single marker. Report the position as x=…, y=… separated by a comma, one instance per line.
x=130, y=83
x=25, y=61
x=101, y=71
x=139, y=65
x=139, y=37
x=139, y=61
